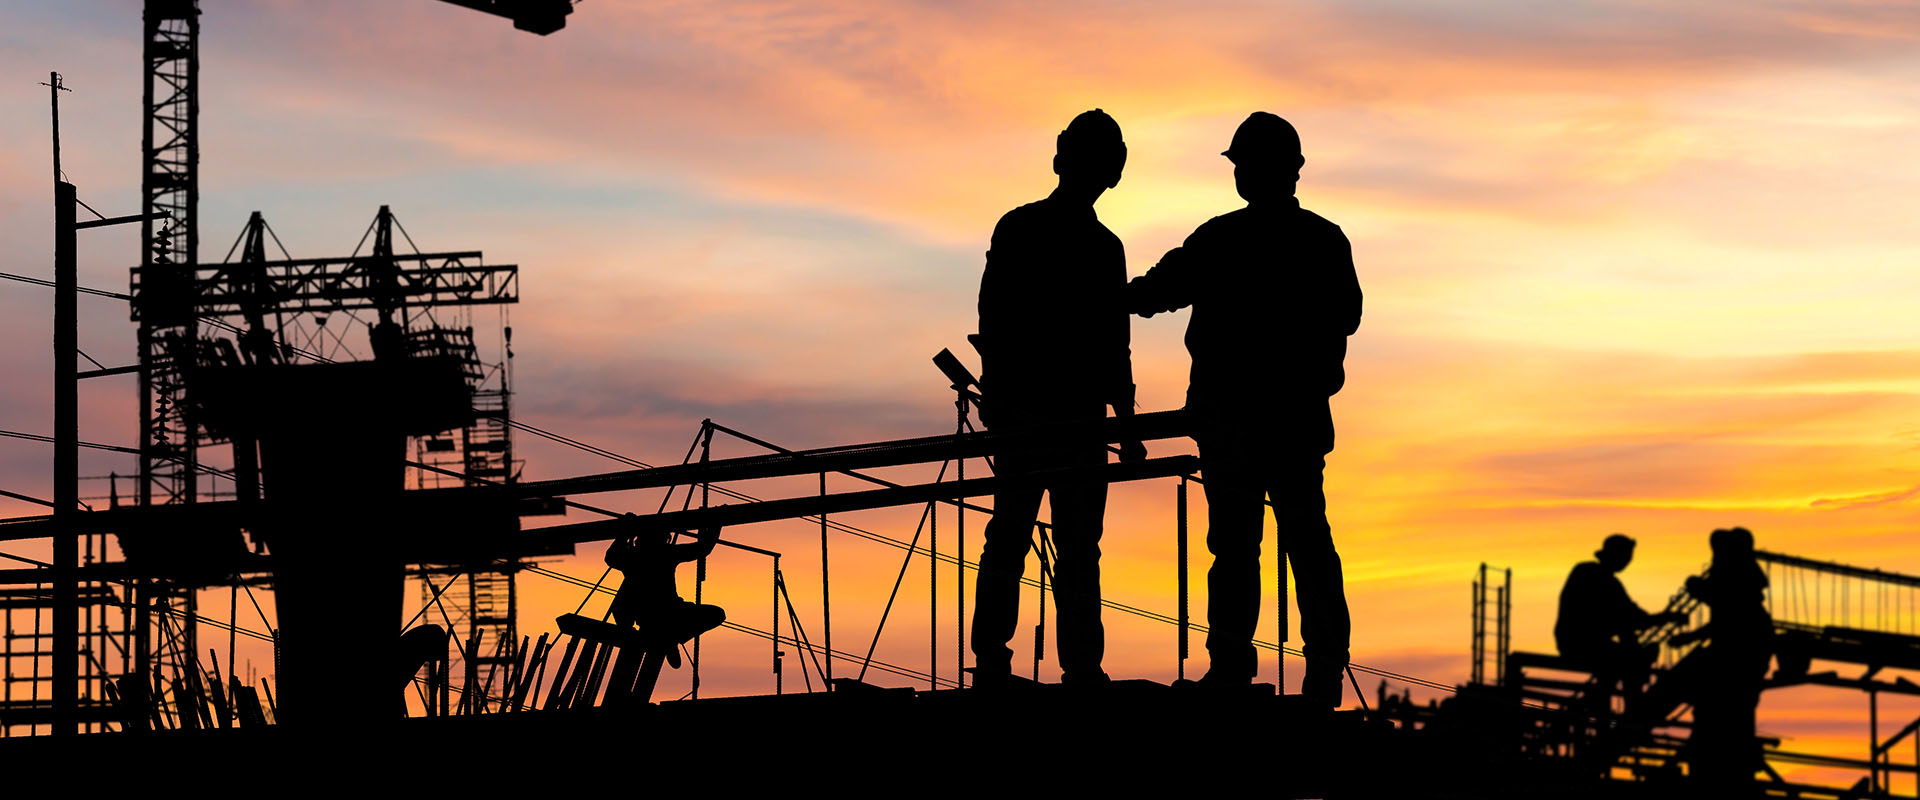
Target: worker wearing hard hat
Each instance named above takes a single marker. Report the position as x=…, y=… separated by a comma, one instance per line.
x=1054, y=348
x=1274, y=298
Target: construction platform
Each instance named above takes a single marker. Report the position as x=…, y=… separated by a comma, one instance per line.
x=1127, y=736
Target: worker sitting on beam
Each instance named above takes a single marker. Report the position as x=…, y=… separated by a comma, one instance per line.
x=1599, y=624
x=649, y=598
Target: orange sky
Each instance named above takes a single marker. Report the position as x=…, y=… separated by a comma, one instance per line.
x=1628, y=267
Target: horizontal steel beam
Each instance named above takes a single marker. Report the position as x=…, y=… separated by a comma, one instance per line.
x=328, y=284
x=106, y=221
x=428, y=503
x=898, y=452
x=793, y=508
x=106, y=371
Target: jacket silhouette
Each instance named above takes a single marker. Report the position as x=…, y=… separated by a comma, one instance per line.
x=1596, y=614
x=1054, y=348
x=1599, y=624
x=1724, y=685
x=1274, y=297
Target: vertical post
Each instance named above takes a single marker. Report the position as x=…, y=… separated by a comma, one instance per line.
x=138, y=599
x=1499, y=630
x=1280, y=566
x=1040, y=625
x=700, y=566
x=1505, y=638
x=66, y=462
x=53, y=89
x=1180, y=548
x=233, y=628
x=6, y=669
x=960, y=551
x=1479, y=649
x=778, y=678
x=826, y=595
x=933, y=597
x=89, y=676
x=1873, y=741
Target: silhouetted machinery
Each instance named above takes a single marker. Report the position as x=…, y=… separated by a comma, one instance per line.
x=321, y=428
x=319, y=446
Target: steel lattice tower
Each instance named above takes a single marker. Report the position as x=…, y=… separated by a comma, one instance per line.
x=170, y=187
x=168, y=330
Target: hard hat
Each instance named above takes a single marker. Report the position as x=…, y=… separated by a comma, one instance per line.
x=1617, y=543
x=1263, y=137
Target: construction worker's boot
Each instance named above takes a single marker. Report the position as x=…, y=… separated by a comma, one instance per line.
x=1321, y=687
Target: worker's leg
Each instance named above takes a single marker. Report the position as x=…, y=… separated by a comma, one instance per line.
x=1300, y=511
x=1003, y=559
x=702, y=617
x=1235, y=515
x=1079, y=511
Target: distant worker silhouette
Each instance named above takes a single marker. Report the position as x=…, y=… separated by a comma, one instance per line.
x=1274, y=298
x=1725, y=681
x=1599, y=624
x=648, y=597
x=1054, y=348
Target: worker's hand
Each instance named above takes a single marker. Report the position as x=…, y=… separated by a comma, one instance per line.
x=1675, y=617
x=709, y=535
x=1133, y=452
x=1683, y=639
x=1137, y=301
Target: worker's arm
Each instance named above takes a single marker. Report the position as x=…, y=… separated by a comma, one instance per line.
x=1120, y=381
x=1168, y=286
x=1623, y=617
x=702, y=545
x=1002, y=287
x=1346, y=286
x=1172, y=284
x=620, y=553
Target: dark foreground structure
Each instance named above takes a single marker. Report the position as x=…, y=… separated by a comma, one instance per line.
x=1482, y=744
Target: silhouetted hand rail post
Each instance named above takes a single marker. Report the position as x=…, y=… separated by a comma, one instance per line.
x=826, y=596
x=1041, y=545
x=779, y=679
x=960, y=544
x=1280, y=564
x=700, y=565
x=1180, y=548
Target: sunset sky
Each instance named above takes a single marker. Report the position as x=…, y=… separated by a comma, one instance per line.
x=1628, y=266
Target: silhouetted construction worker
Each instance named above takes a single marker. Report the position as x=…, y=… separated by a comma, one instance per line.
x=1054, y=348
x=1599, y=624
x=1725, y=686
x=648, y=597
x=1274, y=299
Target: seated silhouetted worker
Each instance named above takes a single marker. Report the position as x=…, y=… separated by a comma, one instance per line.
x=1599, y=624
x=1724, y=678
x=648, y=598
